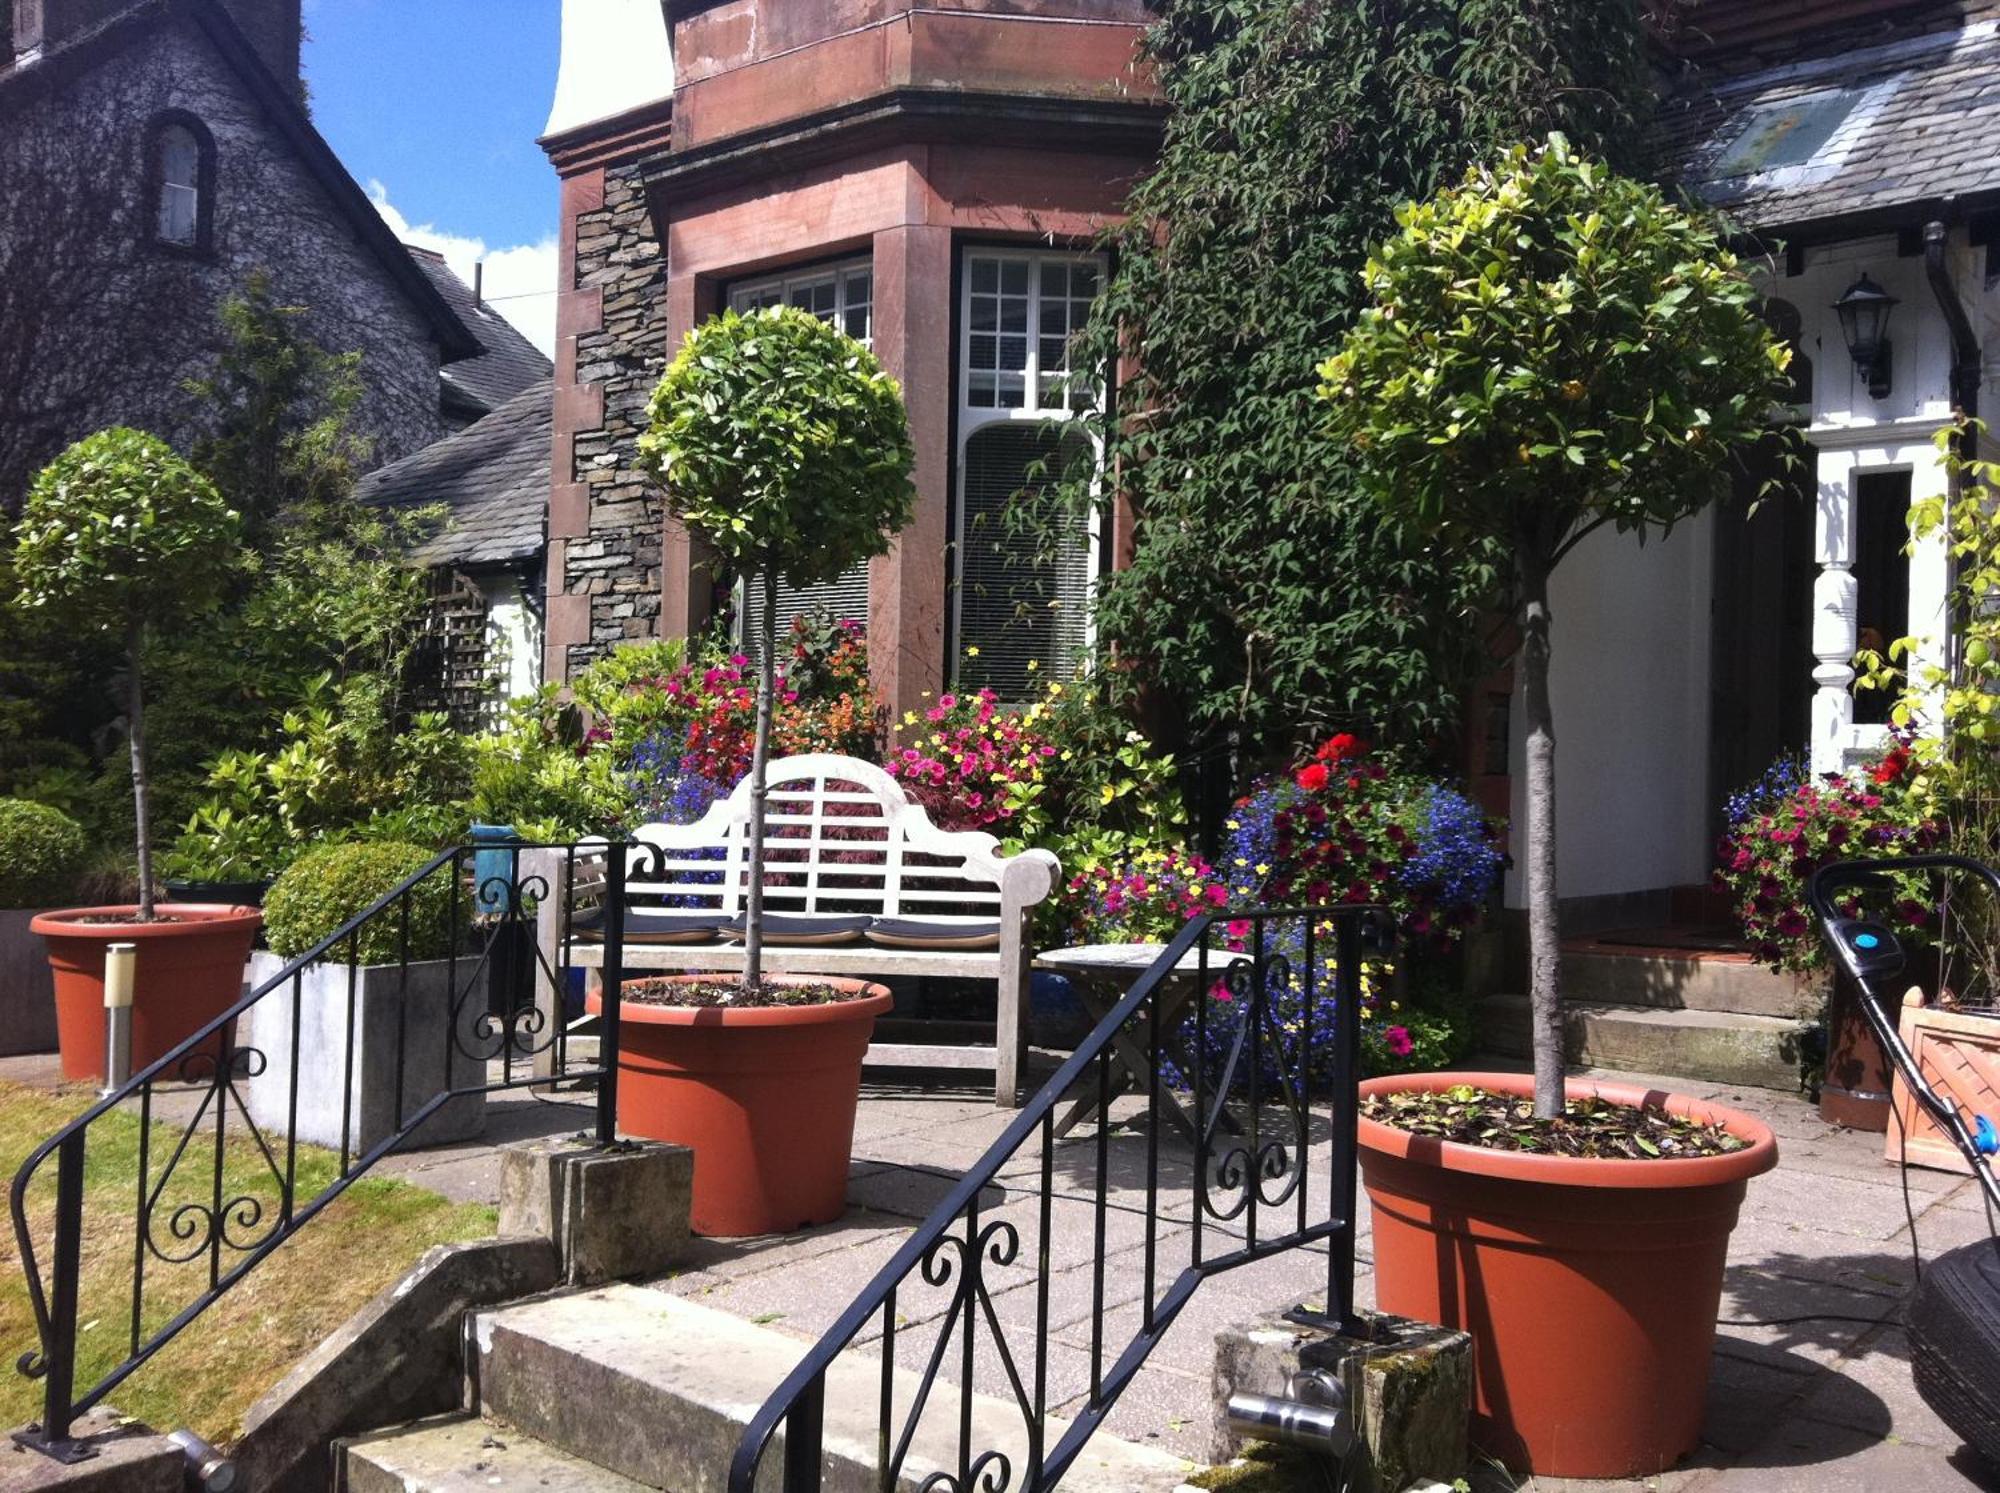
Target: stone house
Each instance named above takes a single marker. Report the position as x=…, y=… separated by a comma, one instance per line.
x=152, y=154
x=932, y=175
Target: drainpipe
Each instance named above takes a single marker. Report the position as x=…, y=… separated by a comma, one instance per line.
x=1964, y=387
x=1964, y=346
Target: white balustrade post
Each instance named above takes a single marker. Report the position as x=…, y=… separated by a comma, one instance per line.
x=1835, y=634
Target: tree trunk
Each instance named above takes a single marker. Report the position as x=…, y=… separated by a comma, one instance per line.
x=767, y=669
x=135, y=638
x=1544, y=933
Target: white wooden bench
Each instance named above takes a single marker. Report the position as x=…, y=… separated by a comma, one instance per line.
x=841, y=840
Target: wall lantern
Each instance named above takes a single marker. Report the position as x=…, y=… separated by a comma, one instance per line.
x=1864, y=322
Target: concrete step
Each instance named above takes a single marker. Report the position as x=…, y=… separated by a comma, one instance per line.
x=659, y=1389
x=1710, y=1046
x=1672, y=979
x=459, y=1454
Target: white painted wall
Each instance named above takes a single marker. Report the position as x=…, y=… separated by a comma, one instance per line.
x=1629, y=682
x=616, y=55
x=514, y=634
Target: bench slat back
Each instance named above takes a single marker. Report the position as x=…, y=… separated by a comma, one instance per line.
x=840, y=836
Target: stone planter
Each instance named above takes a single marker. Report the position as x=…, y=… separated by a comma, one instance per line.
x=1959, y=1053
x=27, y=988
x=434, y=1056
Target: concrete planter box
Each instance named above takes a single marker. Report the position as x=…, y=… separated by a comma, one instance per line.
x=27, y=990
x=323, y=1054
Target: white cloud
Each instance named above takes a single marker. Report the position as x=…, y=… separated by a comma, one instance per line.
x=520, y=281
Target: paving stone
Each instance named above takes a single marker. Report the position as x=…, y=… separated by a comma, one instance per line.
x=1802, y=1335
x=1837, y=1205
x=1870, y=1390
x=1781, y=1247
x=1810, y=1456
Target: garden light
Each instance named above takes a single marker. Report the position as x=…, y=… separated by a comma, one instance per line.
x=1864, y=323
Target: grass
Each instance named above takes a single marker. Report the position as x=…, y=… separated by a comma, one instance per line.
x=206, y=1378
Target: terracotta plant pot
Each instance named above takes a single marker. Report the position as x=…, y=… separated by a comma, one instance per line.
x=1590, y=1287
x=1855, y=1091
x=765, y=1097
x=188, y=973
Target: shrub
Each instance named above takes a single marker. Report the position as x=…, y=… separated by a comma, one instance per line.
x=42, y=854
x=327, y=887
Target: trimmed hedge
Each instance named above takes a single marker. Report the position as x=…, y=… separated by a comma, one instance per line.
x=42, y=854
x=324, y=888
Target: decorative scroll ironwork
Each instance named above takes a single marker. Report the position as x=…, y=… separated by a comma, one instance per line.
x=1253, y=1190
x=216, y=1192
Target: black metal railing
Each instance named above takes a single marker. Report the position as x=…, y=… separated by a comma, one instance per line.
x=1252, y=1019
x=476, y=949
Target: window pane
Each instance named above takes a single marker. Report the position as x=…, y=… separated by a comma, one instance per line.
x=985, y=313
x=179, y=207
x=1013, y=352
x=1014, y=277
x=985, y=276
x=1055, y=278
x=180, y=156
x=979, y=391
x=1014, y=314
x=1013, y=391
x=1054, y=354
x=985, y=352
x=1083, y=282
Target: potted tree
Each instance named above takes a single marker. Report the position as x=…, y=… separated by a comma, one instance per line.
x=1549, y=350
x=119, y=535
x=783, y=446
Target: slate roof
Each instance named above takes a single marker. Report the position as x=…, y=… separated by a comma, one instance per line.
x=492, y=477
x=1852, y=135
x=510, y=362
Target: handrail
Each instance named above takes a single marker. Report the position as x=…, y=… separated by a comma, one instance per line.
x=1260, y=973
x=516, y=1022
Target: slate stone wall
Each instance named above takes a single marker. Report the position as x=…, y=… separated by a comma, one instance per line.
x=100, y=325
x=606, y=518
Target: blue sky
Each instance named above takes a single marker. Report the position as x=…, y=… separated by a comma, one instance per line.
x=434, y=106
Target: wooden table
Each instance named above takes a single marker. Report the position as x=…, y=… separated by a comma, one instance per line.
x=1102, y=974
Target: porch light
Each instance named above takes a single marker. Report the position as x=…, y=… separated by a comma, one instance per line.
x=1864, y=322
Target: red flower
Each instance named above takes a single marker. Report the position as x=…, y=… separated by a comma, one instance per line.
x=1312, y=778
x=1339, y=748
x=1892, y=766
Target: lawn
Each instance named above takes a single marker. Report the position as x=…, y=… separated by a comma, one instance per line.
x=207, y=1377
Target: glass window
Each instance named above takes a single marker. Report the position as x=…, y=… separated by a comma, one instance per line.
x=178, y=219
x=843, y=295
x=1021, y=313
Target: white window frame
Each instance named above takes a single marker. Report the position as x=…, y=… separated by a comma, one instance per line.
x=792, y=288
x=789, y=288
x=973, y=418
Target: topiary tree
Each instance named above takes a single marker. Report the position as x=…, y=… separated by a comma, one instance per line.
x=42, y=853
x=1550, y=349
x=784, y=446
x=119, y=535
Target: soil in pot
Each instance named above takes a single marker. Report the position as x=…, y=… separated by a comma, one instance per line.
x=190, y=970
x=763, y=1090
x=1588, y=1276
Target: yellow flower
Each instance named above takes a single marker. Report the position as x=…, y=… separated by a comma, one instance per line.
x=1108, y=791
x=1034, y=664
x=972, y=652
x=1263, y=870
x=1055, y=689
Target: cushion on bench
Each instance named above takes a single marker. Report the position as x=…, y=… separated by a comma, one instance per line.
x=653, y=925
x=804, y=928
x=934, y=933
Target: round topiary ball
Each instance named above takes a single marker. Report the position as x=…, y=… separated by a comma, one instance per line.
x=324, y=889
x=42, y=854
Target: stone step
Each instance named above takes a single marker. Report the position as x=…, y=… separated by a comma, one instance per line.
x=1711, y=1046
x=1670, y=979
x=659, y=1389
x=459, y=1454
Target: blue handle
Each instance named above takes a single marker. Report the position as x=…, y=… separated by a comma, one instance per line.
x=1985, y=1137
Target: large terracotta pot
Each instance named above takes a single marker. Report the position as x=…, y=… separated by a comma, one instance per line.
x=189, y=972
x=1590, y=1288
x=765, y=1097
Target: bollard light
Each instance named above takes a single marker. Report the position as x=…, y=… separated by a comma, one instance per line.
x=121, y=965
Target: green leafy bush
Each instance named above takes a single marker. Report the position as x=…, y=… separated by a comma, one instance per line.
x=326, y=887
x=42, y=853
